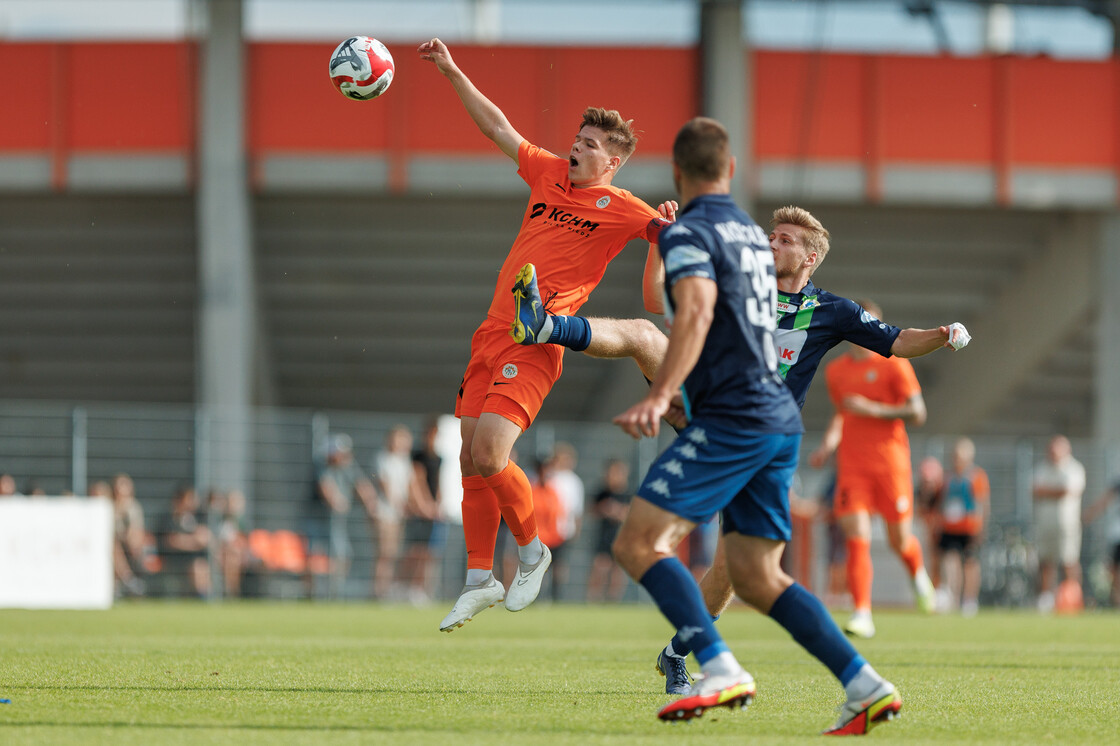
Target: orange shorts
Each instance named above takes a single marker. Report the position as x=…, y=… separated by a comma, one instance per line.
x=888, y=493
x=506, y=378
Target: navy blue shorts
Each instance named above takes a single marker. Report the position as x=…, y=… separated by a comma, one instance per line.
x=711, y=468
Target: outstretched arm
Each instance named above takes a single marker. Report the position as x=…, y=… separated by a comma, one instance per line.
x=918, y=342
x=482, y=110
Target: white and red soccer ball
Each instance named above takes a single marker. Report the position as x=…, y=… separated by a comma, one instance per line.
x=361, y=68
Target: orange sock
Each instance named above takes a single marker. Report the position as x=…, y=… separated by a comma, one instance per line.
x=481, y=519
x=860, y=573
x=515, y=499
x=912, y=555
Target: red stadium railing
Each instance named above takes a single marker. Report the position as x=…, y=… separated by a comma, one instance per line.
x=873, y=111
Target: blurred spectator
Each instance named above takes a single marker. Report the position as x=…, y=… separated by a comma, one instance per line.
x=549, y=509
x=963, y=511
x=607, y=580
x=337, y=483
x=927, y=504
x=1059, y=482
x=100, y=488
x=184, y=543
x=1109, y=502
x=399, y=485
x=128, y=547
x=34, y=489
x=8, y=486
x=420, y=516
x=562, y=478
x=232, y=537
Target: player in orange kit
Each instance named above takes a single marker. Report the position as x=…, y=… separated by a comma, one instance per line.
x=575, y=223
x=874, y=398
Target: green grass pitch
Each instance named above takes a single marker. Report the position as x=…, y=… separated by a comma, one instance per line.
x=177, y=673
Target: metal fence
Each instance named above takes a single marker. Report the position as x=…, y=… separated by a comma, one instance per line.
x=59, y=448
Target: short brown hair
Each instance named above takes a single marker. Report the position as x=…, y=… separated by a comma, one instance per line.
x=622, y=140
x=816, y=235
x=702, y=149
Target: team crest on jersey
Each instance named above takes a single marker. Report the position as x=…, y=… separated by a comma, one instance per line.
x=810, y=302
x=603, y=201
x=509, y=370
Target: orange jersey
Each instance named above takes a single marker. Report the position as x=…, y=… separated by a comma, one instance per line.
x=569, y=233
x=870, y=444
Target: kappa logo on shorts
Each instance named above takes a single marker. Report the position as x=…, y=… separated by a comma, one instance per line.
x=660, y=487
x=902, y=504
x=687, y=451
x=509, y=370
x=697, y=436
x=602, y=202
x=674, y=467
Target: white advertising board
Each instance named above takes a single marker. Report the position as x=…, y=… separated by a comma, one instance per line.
x=56, y=553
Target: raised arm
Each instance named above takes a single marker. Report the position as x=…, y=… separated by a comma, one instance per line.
x=653, y=280
x=482, y=110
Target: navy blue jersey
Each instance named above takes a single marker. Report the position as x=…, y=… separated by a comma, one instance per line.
x=736, y=377
x=811, y=323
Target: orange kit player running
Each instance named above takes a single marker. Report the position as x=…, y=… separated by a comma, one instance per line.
x=874, y=398
x=575, y=223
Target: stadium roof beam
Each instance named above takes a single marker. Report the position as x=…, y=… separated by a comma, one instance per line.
x=227, y=320
x=1106, y=424
x=727, y=88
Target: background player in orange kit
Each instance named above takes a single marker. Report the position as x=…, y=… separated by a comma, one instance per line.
x=874, y=398
x=574, y=224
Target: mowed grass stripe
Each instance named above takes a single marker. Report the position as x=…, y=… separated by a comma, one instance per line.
x=323, y=674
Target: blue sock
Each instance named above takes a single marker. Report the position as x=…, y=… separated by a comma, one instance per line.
x=682, y=648
x=573, y=332
x=806, y=618
x=675, y=591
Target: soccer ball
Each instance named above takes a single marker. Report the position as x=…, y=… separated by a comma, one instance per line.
x=361, y=68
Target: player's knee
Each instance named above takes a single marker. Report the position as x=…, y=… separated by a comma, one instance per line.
x=628, y=554
x=466, y=463
x=759, y=583
x=485, y=459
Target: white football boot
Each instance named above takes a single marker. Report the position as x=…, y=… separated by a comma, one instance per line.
x=473, y=599
x=525, y=587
